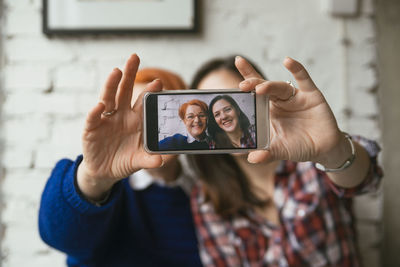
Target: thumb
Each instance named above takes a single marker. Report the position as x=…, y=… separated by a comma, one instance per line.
x=260, y=156
x=148, y=161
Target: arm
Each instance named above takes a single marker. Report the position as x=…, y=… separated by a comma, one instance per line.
x=69, y=223
x=112, y=150
x=303, y=127
x=356, y=173
x=369, y=182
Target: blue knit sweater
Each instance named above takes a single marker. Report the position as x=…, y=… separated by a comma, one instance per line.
x=151, y=227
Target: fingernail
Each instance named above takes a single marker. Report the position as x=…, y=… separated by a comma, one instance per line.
x=162, y=163
x=244, y=83
x=250, y=160
x=287, y=57
x=237, y=57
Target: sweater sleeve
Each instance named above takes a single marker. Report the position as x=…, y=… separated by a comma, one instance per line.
x=68, y=222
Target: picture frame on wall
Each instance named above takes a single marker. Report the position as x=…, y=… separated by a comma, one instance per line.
x=119, y=16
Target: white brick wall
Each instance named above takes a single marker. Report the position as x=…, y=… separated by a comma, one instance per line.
x=49, y=85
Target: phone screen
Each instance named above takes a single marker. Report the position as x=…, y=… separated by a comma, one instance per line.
x=201, y=121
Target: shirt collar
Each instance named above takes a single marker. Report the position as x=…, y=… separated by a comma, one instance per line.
x=141, y=179
x=191, y=139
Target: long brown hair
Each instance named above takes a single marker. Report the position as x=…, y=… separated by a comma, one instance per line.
x=219, y=135
x=225, y=185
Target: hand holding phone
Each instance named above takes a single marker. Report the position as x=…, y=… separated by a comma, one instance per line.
x=112, y=137
x=205, y=121
x=303, y=126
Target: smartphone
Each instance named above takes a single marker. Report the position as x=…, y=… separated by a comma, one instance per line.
x=205, y=121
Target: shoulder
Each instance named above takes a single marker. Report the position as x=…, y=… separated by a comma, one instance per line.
x=174, y=137
x=174, y=141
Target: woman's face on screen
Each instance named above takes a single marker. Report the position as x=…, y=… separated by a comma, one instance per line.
x=195, y=121
x=225, y=116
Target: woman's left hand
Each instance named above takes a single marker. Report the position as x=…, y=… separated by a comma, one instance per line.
x=302, y=126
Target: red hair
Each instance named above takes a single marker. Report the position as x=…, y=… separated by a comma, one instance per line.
x=170, y=80
x=196, y=102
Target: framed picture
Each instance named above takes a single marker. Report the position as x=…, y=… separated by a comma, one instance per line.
x=119, y=16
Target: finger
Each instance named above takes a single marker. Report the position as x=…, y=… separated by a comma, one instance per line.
x=138, y=88
x=276, y=90
x=124, y=94
x=107, y=95
x=250, y=84
x=260, y=156
x=301, y=75
x=246, y=69
x=154, y=86
x=93, y=119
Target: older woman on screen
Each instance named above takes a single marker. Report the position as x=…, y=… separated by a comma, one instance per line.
x=194, y=115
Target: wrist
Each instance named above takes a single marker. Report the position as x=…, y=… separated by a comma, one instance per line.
x=91, y=187
x=340, y=156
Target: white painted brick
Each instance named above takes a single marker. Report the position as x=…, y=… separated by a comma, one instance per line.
x=23, y=21
x=23, y=189
x=104, y=68
x=366, y=127
x=105, y=49
x=362, y=54
x=363, y=103
x=23, y=104
x=26, y=131
x=17, y=157
x=335, y=99
x=85, y=102
x=37, y=49
x=23, y=246
x=26, y=78
x=49, y=154
x=362, y=77
x=361, y=29
x=75, y=76
x=67, y=131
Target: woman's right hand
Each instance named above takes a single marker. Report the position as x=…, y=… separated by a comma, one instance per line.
x=113, y=145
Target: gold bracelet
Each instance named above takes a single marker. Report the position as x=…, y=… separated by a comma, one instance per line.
x=346, y=164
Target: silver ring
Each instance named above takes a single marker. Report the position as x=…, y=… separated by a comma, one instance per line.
x=293, y=91
x=109, y=113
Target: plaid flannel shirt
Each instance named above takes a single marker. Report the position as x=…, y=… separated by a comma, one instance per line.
x=316, y=222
